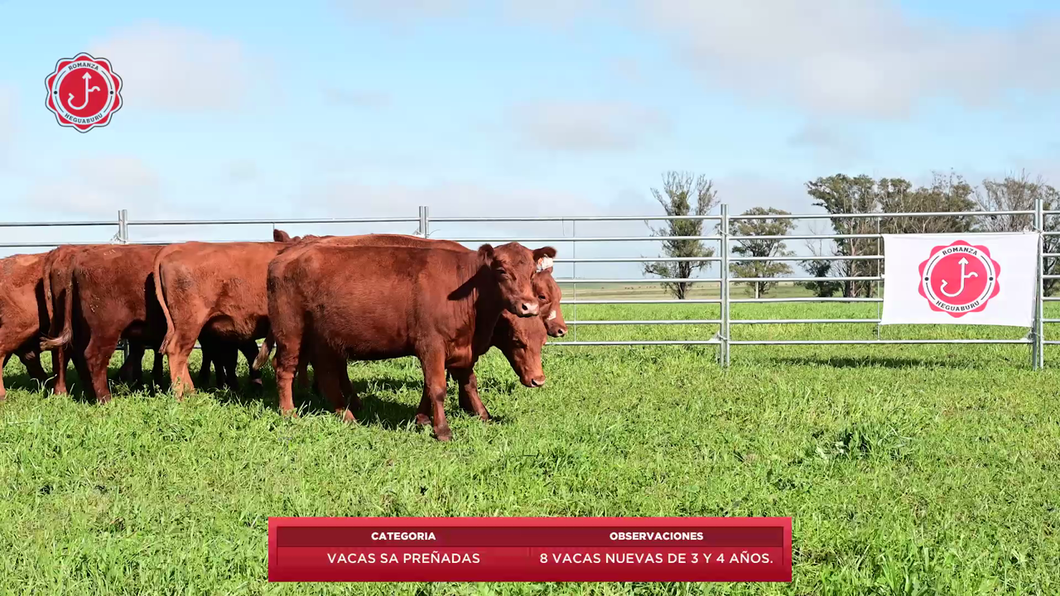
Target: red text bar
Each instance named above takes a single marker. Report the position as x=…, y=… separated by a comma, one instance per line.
x=520, y=549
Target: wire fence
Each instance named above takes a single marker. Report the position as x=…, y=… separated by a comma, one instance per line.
x=128, y=230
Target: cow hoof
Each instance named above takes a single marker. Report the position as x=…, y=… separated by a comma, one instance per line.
x=484, y=416
x=423, y=419
x=443, y=434
x=347, y=416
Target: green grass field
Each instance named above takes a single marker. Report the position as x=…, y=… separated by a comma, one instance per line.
x=907, y=469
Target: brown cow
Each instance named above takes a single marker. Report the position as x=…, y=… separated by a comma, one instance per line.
x=373, y=303
x=57, y=270
x=224, y=354
x=519, y=339
x=216, y=290
x=22, y=314
x=109, y=295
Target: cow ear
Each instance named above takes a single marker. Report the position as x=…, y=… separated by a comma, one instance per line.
x=280, y=236
x=485, y=254
x=543, y=258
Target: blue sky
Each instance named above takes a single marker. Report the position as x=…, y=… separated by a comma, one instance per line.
x=514, y=107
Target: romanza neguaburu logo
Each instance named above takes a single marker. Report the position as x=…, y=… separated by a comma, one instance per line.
x=959, y=278
x=83, y=92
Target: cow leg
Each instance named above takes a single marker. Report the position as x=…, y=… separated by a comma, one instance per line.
x=250, y=352
x=328, y=368
x=177, y=351
x=302, y=374
x=434, y=392
x=467, y=386
x=209, y=351
x=347, y=388
x=132, y=370
x=5, y=355
x=285, y=362
x=97, y=356
x=31, y=360
x=157, y=372
x=229, y=355
x=59, y=364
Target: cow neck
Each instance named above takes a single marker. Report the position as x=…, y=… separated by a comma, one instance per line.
x=486, y=297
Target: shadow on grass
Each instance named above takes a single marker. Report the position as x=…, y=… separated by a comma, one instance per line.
x=879, y=362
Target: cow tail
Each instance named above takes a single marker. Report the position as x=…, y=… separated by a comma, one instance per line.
x=48, y=305
x=264, y=351
x=68, y=316
x=160, y=295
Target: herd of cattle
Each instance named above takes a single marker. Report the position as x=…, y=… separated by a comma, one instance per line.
x=319, y=300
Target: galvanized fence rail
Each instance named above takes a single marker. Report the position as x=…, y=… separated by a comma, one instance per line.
x=722, y=240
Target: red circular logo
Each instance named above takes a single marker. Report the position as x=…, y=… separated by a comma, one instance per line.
x=959, y=278
x=83, y=92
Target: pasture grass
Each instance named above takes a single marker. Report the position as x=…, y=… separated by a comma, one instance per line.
x=906, y=469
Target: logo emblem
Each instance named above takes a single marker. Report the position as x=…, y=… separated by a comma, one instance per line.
x=959, y=278
x=83, y=92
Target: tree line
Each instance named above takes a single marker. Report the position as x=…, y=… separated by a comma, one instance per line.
x=840, y=196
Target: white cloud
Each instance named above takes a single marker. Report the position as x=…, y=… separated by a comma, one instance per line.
x=100, y=186
x=178, y=69
x=830, y=144
x=866, y=58
x=586, y=126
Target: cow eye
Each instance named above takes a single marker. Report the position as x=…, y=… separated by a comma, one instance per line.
x=502, y=272
x=542, y=298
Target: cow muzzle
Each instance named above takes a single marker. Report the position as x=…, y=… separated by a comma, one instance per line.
x=528, y=309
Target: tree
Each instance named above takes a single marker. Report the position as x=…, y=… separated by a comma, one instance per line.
x=947, y=193
x=682, y=194
x=1020, y=193
x=819, y=267
x=761, y=248
x=840, y=194
x=843, y=195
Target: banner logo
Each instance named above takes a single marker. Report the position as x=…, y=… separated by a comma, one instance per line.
x=959, y=278
x=83, y=92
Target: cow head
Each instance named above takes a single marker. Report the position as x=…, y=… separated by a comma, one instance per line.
x=548, y=298
x=520, y=340
x=512, y=267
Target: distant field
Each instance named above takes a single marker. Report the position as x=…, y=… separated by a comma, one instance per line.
x=907, y=469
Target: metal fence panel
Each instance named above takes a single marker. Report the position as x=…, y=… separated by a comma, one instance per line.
x=719, y=234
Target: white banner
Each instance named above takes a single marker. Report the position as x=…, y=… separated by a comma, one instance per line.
x=960, y=279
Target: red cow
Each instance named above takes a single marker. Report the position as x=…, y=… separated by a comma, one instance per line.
x=373, y=303
x=22, y=314
x=216, y=290
x=108, y=296
x=519, y=339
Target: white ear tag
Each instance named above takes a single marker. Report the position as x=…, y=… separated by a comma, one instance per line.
x=551, y=315
x=544, y=263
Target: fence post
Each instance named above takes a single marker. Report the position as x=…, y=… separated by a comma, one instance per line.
x=724, y=335
x=123, y=226
x=1038, y=334
x=123, y=238
x=425, y=221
